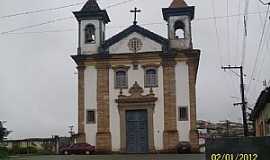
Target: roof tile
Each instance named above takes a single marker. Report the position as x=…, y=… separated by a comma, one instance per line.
x=178, y=4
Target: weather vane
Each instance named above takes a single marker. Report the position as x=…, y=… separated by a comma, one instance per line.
x=135, y=11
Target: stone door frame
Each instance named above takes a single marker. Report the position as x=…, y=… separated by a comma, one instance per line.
x=136, y=101
x=150, y=127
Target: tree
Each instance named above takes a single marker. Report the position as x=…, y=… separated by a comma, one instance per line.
x=3, y=132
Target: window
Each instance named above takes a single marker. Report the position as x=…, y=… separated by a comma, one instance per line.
x=151, y=78
x=121, y=79
x=90, y=36
x=135, y=44
x=91, y=116
x=179, y=30
x=183, y=113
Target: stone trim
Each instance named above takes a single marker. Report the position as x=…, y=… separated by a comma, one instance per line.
x=145, y=78
x=120, y=68
x=148, y=57
x=194, y=136
x=95, y=116
x=170, y=134
x=103, y=135
x=81, y=104
x=146, y=66
x=136, y=101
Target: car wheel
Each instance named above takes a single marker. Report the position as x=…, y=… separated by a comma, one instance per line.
x=66, y=153
x=87, y=152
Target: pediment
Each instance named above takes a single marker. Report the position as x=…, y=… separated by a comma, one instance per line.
x=136, y=96
x=147, y=41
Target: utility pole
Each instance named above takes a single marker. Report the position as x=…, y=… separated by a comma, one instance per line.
x=71, y=130
x=243, y=103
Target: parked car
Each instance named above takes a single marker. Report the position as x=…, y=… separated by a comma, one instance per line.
x=183, y=147
x=79, y=148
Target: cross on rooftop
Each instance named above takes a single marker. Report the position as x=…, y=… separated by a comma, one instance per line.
x=135, y=11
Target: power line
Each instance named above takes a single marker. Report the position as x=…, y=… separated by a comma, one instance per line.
x=120, y=3
x=40, y=32
x=217, y=33
x=261, y=65
x=259, y=49
x=228, y=33
x=40, y=10
x=244, y=45
x=59, y=19
x=264, y=2
x=238, y=31
x=35, y=25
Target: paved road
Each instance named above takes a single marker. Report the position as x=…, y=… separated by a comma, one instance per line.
x=116, y=157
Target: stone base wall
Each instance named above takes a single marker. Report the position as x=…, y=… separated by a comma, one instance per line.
x=103, y=142
x=194, y=140
x=170, y=140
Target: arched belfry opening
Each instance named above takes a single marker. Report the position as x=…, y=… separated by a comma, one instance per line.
x=179, y=16
x=90, y=36
x=179, y=30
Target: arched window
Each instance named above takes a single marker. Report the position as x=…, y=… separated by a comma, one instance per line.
x=90, y=36
x=151, y=78
x=179, y=30
x=121, y=79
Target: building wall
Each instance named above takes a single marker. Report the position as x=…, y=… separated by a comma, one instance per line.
x=90, y=102
x=183, y=43
x=122, y=45
x=182, y=98
x=137, y=75
x=262, y=127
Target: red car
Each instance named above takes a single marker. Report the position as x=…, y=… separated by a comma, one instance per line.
x=79, y=148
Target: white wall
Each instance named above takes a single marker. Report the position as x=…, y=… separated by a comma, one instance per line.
x=90, y=48
x=90, y=102
x=122, y=46
x=136, y=75
x=182, y=98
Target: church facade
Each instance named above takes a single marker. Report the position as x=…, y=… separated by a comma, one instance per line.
x=136, y=90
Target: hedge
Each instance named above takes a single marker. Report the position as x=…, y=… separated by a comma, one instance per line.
x=3, y=153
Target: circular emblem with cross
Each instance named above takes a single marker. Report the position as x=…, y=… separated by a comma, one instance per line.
x=135, y=44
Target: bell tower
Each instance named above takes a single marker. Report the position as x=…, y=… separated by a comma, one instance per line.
x=92, y=21
x=179, y=16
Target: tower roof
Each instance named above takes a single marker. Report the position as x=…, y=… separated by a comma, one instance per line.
x=178, y=4
x=90, y=5
x=92, y=10
x=178, y=8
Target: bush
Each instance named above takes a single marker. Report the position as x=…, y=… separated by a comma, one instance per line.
x=23, y=150
x=3, y=153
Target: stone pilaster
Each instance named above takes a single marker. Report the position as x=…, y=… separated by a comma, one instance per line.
x=193, y=135
x=81, y=106
x=103, y=135
x=170, y=135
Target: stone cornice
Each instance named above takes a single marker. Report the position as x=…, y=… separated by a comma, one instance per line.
x=117, y=67
x=136, y=96
x=168, y=62
x=103, y=65
x=177, y=54
x=150, y=66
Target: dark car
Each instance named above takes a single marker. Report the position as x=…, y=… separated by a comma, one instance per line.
x=183, y=147
x=79, y=148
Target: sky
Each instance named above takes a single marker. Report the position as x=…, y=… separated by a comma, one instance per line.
x=38, y=80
